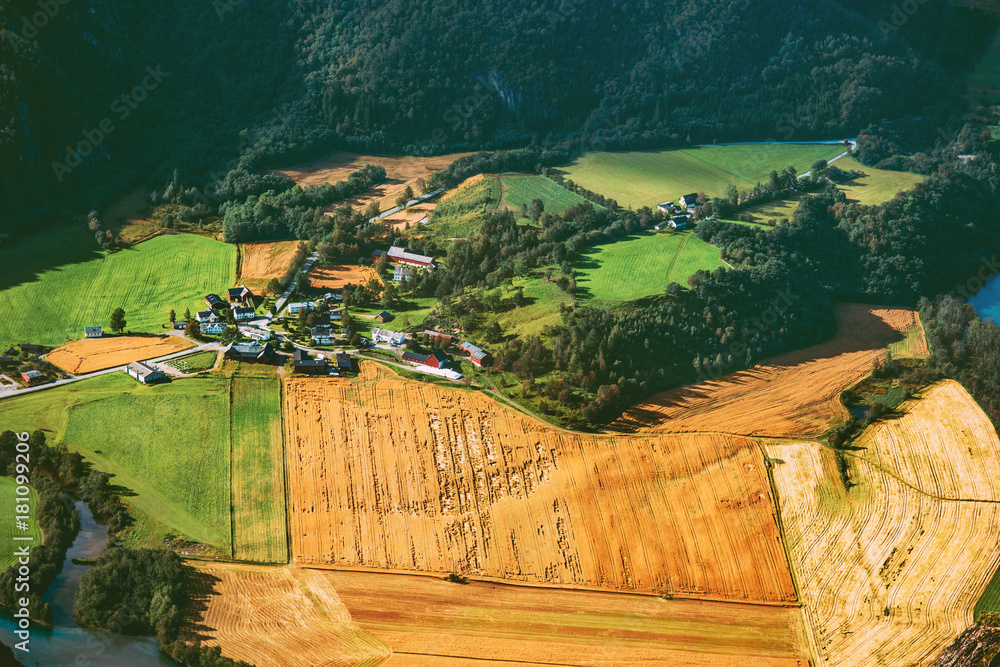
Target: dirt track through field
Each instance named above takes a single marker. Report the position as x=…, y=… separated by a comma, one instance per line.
x=399, y=475
x=429, y=621
x=792, y=395
x=277, y=616
x=97, y=354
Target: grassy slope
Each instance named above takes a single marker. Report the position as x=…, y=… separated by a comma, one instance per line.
x=7, y=527
x=167, y=444
x=878, y=185
x=643, y=265
x=521, y=189
x=258, y=488
x=58, y=286
x=639, y=179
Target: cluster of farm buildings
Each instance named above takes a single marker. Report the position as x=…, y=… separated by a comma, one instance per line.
x=680, y=213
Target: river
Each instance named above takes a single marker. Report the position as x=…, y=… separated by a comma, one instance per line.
x=987, y=300
x=67, y=644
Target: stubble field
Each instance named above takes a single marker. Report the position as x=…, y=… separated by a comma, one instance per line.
x=336, y=277
x=791, y=395
x=260, y=262
x=398, y=475
x=888, y=575
x=279, y=616
x=97, y=354
x=428, y=621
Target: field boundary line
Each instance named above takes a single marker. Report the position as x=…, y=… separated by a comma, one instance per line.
x=232, y=504
x=441, y=576
x=284, y=467
x=714, y=166
x=677, y=253
x=502, y=660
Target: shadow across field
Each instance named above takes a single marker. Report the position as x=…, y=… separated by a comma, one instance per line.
x=26, y=259
x=202, y=588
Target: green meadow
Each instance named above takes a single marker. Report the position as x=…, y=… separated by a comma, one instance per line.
x=646, y=178
x=877, y=185
x=258, y=488
x=643, y=265
x=7, y=528
x=521, y=189
x=58, y=283
x=182, y=451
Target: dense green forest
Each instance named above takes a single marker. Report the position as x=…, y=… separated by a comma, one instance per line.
x=97, y=97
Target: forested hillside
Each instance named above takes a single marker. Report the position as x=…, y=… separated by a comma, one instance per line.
x=102, y=96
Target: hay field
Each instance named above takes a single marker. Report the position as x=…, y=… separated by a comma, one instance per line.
x=260, y=262
x=399, y=475
x=790, y=395
x=8, y=529
x=877, y=185
x=401, y=170
x=426, y=620
x=257, y=478
x=277, y=616
x=96, y=354
x=887, y=574
x=944, y=445
x=336, y=277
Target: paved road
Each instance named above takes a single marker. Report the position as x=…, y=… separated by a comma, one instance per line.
x=396, y=209
x=280, y=303
x=830, y=161
x=76, y=378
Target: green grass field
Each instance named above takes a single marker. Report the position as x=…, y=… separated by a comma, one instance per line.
x=58, y=284
x=258, y=488
x=167, y=444
x=520, y=189
x=196, y=363
x=878, y=185
x=460, y=211
x=990, y=600
x=643, y=265
x=644, y=178
x=8, y=529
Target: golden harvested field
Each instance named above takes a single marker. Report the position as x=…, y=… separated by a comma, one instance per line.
x=791, y=395
x=399, y=475
x=260, y=262
x=411, y=216
x=428, y=621
x=277, y=616
x=944, y=445
x=96, y=354
x=336, y=277
x=888, y=575
x=401, y=170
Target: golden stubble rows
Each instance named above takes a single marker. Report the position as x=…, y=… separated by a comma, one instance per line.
x=396, y=475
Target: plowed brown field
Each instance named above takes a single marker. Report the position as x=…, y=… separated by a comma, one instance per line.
x=399, y=475
x=944, y=445
x=428, y=621
x=276, y=616
x=336, y=277
x=887, y=574
x=260, y=262
x=400, y=171
x=96, y=354
x=790, y=395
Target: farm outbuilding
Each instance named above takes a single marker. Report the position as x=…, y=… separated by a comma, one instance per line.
x=214, y=301
x=32, y=376
x=384, y=316
x=93, y=332
x=250, y=351
x=477, y=356
x=145, y=373
x=241, y=295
